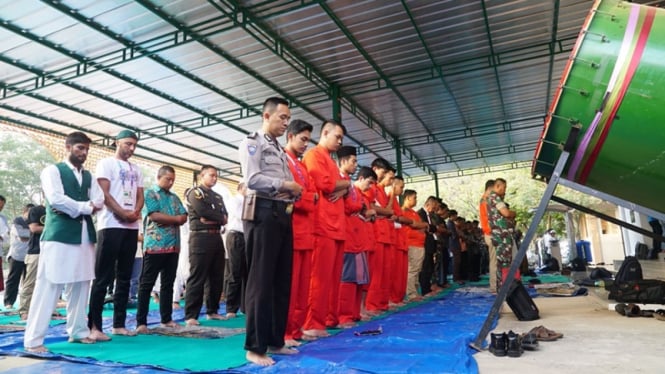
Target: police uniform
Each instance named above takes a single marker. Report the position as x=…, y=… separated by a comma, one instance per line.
x=206, y=251
x=269, y=242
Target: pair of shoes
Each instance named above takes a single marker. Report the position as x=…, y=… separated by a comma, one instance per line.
x=544, y=334
x=506, y=344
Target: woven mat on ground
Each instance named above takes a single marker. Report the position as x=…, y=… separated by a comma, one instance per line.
x=168, y=352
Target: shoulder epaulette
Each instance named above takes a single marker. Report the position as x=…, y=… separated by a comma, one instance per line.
x=252, y=135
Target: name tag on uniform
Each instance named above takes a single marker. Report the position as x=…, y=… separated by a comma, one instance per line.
x=289, y=208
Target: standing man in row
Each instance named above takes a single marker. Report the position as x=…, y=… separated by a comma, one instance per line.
x=18, y=248
x=117, y=236
x=67, y=256
x=298, y=135
x=268, y=233
x=207, y=214
x=163, y=214
x=498, y=215
x=329, y=230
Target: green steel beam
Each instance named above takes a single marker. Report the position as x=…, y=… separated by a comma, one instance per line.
x=555, y=30
x=160, y=60
x=139, y=131
x=20, y=90
x=540, y=50
x=441, y=77
x=274, y=8
x=478, y=130
x=103, y=62
x=104, y=140
x=470, y=171
x=502, y=150
x=342, y=27
x=488, y=31
x=398, y=156
x=336, y=105
x=275, y=44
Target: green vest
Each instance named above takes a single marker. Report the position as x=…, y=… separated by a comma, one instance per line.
x=60, y=227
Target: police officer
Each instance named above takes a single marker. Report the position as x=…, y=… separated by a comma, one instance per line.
x=268, y=234
x=207, y=214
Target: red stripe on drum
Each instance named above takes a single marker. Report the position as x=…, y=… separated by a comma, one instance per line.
x=632, y=67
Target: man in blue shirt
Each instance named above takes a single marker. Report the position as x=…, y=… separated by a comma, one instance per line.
x=163, y=213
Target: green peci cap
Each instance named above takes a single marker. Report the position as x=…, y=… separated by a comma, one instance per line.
x=126, y=134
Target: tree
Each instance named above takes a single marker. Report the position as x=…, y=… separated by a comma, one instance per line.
x=523, y=194
x=21, y=161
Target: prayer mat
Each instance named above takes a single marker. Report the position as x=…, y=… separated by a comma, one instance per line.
x=200, y=332
x=167, y=352
x=11, y=328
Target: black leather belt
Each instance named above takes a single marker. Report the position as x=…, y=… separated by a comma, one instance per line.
x=277, y=205
x=207, y=231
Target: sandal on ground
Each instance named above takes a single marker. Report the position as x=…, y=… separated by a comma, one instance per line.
x=545, y=335
x=659, y=314
x=632, y=310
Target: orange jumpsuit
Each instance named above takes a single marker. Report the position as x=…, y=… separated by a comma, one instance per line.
x=400, y=265
x=377, y=293
x=303, y=245
x=350, y=293
x=329, y=235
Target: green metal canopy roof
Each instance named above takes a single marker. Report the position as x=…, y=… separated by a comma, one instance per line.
x=440, y=88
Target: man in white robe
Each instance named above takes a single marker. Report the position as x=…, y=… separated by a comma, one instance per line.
x=67, y=256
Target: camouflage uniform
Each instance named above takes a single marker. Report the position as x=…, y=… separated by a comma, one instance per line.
x=502, y=238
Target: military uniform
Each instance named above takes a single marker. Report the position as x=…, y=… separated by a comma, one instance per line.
x=206, y=251
x=269, y=241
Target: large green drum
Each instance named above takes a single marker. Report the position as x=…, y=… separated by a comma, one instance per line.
x=613, y=89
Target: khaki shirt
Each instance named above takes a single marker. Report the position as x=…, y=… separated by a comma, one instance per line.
x=264, y=164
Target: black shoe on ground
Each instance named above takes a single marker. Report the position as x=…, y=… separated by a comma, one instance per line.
x=498, y=345
x=514, y=343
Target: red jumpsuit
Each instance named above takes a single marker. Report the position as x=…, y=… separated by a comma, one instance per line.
x=329, y=235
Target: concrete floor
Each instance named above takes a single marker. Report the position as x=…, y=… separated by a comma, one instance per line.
x=596, y=340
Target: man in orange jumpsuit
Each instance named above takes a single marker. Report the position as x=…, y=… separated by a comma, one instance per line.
x=355, y=271
x=329, y=231
x=377, y=293
x=298, y=135
x=400, y=264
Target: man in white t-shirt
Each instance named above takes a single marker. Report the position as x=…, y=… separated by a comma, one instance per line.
x=117, y=234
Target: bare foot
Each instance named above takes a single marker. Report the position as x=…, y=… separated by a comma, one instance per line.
x=308, y=338
x=170, y=324
x=346, y=325
x=291, y=343
x=82, y=341
x=282, y=350
x=38, y=349
x=23, y=316
x=231, y=315
x=122, y=331
x=176, y=306
x=215, y=316
x=316, y=333
x=99, y=336
x=259, y=359
x=192, y=322
x=142, y=329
